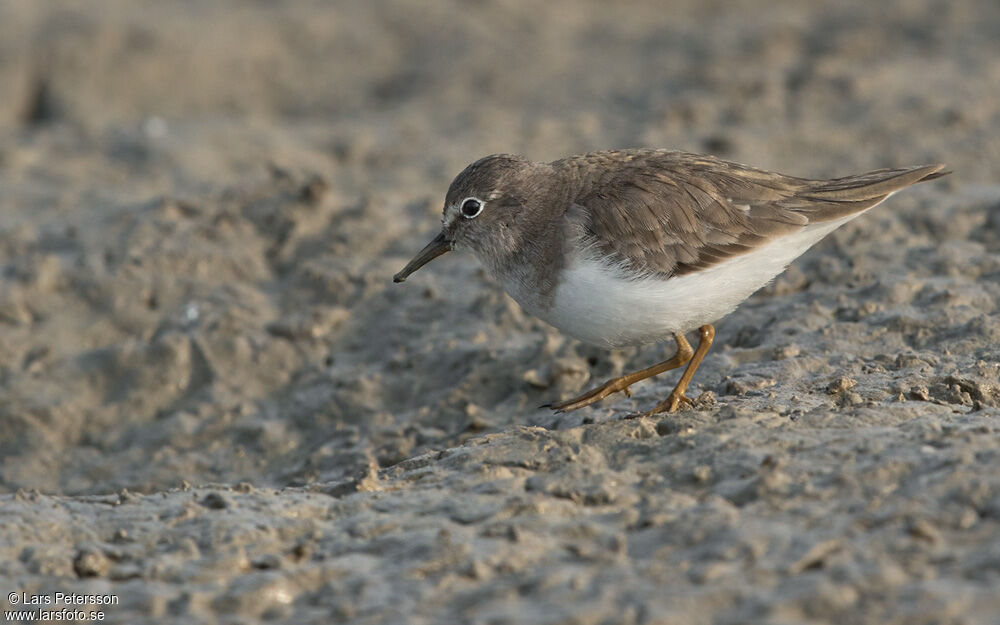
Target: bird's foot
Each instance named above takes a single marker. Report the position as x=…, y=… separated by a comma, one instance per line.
x=671, y=404
x=593, y=395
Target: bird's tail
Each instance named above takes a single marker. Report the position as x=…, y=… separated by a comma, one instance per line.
x=825, y=200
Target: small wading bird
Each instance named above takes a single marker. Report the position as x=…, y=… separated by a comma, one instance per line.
x=627, y=247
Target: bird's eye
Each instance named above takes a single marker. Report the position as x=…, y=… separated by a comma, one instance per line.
x=471, y=208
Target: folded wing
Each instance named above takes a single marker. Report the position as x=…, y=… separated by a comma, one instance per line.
x=673, y=213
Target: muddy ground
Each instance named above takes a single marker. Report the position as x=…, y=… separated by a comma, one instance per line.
x=215, y=405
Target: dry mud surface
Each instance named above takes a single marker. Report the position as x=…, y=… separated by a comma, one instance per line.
x=215, y=405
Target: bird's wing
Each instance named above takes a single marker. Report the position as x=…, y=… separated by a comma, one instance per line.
x=672, y=213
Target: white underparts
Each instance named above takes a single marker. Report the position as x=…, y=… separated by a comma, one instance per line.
x=600, y=303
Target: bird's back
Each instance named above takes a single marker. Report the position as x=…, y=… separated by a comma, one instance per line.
x=673, y=213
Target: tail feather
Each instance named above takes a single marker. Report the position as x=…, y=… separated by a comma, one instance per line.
x=935, y=175
x=824, y=200
x=878, y=183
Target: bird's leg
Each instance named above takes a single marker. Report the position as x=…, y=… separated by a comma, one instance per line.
x=671, y=403
x=622, y=383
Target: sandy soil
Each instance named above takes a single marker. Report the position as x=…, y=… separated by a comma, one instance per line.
x=215, y=405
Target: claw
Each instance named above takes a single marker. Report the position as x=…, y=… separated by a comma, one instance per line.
x=677, y=400
x=670, y=404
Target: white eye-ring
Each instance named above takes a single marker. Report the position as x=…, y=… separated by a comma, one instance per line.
x=471, y=207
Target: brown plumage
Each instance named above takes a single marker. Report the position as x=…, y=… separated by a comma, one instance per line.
x=673, y=213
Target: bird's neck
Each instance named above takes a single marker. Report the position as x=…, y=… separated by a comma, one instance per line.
x=529, y=260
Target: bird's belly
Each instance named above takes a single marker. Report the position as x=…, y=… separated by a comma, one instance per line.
x=598, y=303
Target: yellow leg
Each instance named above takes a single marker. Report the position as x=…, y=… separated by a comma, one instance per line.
x=677, y=396
x=615, y=385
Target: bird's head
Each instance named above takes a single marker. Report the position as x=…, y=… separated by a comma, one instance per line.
x=482, y=209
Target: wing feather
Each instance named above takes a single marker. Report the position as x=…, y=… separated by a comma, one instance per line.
x=672, y=213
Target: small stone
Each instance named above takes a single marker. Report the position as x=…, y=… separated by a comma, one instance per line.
x=216, y=501
x=34, y=360
x=786, y=351
x=702, y=473
x=301, y=551
x=476, y=569
x=90, y=563
x=814, y=557
x=313, y=189
x=268, y=561
x=966, y=519
x=535, y=379
x=956, y=395
x=706, y=399
x=478, y=423
x=840, y=385
x=570, y=372
x=14, y=311
x=851, y=398
x=745, y=384
x=923, y=530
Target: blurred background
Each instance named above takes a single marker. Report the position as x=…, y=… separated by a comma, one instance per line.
x=201, y=203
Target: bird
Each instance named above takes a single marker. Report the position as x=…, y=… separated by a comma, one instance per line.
x=634, y=246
